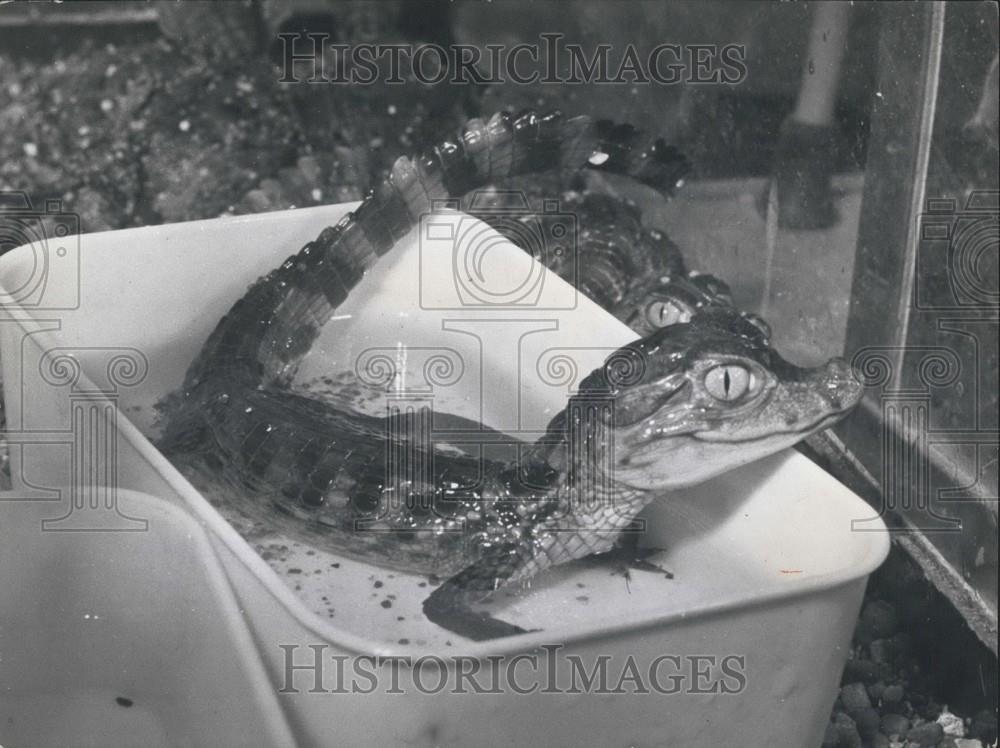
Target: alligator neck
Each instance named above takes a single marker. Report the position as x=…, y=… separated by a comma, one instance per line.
x=575, y=464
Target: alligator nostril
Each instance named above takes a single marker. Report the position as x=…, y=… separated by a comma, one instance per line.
x=838, y=366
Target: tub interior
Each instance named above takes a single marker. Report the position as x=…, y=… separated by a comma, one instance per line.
x=124, y=638
x=771, y=529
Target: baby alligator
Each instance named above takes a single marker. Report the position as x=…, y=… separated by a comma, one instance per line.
x=612, y=248
x=633, y=272
x=688, y=402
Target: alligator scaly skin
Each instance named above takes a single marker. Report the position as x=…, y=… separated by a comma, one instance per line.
x=612, y=249
x=685, y=403
x=634, y=272
x=323, y=467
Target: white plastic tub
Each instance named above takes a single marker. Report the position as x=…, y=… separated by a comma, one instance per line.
x=124, y=638
x=767, y=566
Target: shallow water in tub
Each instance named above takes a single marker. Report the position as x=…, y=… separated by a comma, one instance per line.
x=384, y=604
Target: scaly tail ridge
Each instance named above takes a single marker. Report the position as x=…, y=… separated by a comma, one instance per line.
x=265, y=335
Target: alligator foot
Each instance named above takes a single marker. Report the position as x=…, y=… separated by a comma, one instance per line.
x=469, y=623
x=449, y=606
x=627, y=557
x=639, y=562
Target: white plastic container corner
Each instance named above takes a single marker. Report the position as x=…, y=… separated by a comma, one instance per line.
x=124, y=638
x=767, y=563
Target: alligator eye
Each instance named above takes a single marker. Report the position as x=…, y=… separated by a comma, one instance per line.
x=728, y=383
x=666, y=313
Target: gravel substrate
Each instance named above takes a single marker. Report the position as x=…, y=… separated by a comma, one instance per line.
x=917, y=676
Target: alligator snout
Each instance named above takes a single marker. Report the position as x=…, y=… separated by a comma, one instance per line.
x=840, y=386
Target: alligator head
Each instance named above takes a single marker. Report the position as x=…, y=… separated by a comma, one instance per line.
x=695, y=399
x=676, y=299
